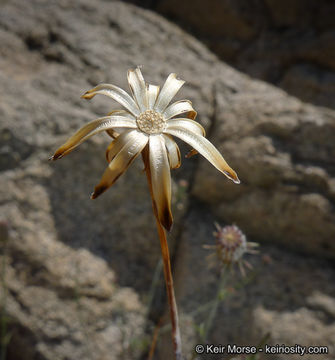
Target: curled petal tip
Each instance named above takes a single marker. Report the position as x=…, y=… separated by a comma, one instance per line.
x=167, y=224
x=232, y=176
x=93, y=195
x=55, y=157
x=166, y=219
x=86, y=96
x=98, y=191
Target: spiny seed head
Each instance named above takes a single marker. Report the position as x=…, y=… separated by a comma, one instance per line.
x=231, y=243
x=151, y=122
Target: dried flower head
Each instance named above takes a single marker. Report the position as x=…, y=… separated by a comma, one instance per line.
x=146, y=125
x=232, y=245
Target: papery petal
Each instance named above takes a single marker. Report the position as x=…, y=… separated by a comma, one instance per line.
x=115, y=93
x=186, y=124
x=92, y=128
x=114, y=133
x=122, y=113
x=120, y=141
x=180, y=107
x=206, y=149
x=172, y=151
x=169, y=90
x=160, y=180
x=152, y=92
x=138, y=88
x=110, y=149
x=121, y=162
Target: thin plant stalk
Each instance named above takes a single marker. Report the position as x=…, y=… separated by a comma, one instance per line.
x=3, y=315
x=176, y=338
x=4, y=335
x=217, y=301
x=154, y=284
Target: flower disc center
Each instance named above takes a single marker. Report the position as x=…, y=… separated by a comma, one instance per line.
x=151, y=122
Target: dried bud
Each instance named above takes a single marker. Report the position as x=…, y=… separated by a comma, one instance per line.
x=231, y=245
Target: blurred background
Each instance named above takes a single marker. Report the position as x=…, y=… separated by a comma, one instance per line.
x=81, y=279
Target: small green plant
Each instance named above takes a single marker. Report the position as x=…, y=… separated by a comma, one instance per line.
x=229, y=250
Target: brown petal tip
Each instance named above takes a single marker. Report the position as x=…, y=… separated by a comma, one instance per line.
x=191, y=153
x=98, y=191
x=237, y=181
x=167, y=220
x=232, y=176
x=55, y=157
x=87, y=95
x=167, y=226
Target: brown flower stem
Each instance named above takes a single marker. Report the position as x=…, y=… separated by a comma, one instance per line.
x=176, y=338
x=154, y=341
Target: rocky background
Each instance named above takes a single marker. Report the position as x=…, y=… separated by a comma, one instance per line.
x=78, y=277
x=290, y=43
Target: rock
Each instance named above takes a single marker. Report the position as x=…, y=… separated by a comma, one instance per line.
x=310, y=84
x=286, y=325
x=266, y=39
x=62, y=301
x=70, y=262
x=41, y=107
x=220, y=19
x=283, y=151
x=285, y=298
